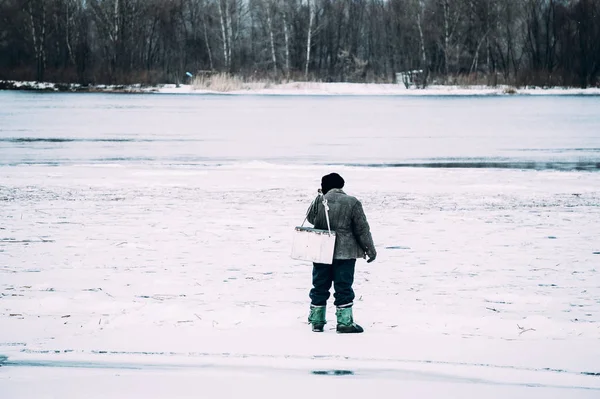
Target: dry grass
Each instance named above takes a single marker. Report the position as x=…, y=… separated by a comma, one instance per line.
x=223, y=82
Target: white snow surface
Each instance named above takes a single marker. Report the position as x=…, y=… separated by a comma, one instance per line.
x=161, y=281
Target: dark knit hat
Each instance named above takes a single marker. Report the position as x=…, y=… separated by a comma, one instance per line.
x=332, y=180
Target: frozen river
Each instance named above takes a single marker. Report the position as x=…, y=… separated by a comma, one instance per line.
x=559, y=132
x=145, y=239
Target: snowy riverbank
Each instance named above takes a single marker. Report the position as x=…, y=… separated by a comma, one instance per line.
x=308, y=88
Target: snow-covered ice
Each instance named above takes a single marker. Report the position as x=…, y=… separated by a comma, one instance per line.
x=489, y=277
x=149, y=279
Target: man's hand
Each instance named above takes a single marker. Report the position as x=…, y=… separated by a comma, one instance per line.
x=371, y=257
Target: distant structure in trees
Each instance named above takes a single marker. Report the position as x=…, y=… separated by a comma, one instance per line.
x=410, y=79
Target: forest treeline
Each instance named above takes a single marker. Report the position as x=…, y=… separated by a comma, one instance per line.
x=518, y=42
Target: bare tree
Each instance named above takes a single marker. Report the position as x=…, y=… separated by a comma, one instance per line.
x=270, y=11
x=420, y=11
x=36, y=10
x=286, y=33
x=225, y=17
x=204, y=12
x=311, y=14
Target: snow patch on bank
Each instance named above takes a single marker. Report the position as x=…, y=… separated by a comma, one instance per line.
x=381, y=89
x=310, y=89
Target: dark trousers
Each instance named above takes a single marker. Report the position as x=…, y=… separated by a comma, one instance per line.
x=341, y=274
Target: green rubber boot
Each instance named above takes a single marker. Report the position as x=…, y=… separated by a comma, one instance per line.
x=345, y=321
x=317, y=318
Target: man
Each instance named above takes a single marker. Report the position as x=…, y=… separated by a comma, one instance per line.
x=353, y=241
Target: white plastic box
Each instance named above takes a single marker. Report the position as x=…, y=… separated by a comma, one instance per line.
x=313, y=245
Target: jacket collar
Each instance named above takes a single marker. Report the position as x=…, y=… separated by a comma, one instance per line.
x=336, y=190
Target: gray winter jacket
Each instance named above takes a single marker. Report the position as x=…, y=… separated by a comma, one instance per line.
x=348, y=220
